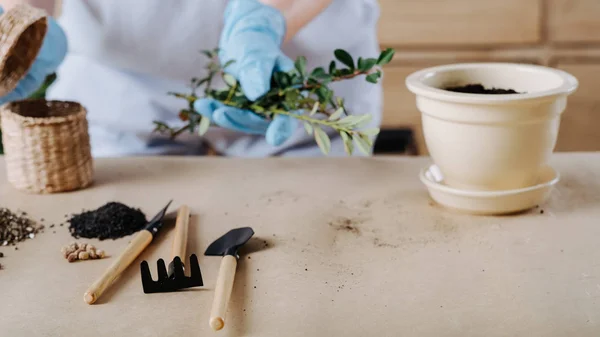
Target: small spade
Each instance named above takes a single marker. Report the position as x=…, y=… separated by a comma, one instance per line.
x=226, y=246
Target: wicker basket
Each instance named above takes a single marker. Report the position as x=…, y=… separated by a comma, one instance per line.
x=47, y=146
x=22, y=31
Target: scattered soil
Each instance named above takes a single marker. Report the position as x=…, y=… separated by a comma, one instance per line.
x=480, y=89
x=345, y=225
x=379, y=243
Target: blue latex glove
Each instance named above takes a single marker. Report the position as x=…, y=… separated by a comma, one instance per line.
x=252, y=36
x=50, y=56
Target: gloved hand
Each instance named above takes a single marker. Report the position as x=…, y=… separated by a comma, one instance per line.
x=50, y=56
x=252, y=36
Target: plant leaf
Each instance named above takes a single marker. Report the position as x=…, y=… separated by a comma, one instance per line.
x=366, y=138
x=332, y=67
x=367, y=64
x=337, y=114
x=228, y=63
x=348, y=121
x=363, y=146
x=373, y=78
x=348, y=145
x=291, y=97
x=308, y=127
x=344, y=57
x=208, y=53
x=385, y=57
x=301, y=65
x=230, y=80
x=371, y=132
x=322, y=140
x=203, y=126
x=319, y=73
x=360, y=63
x=344, y=72
x=314, y=109
x=363, y=120
x=313, y=81
x=323, y=94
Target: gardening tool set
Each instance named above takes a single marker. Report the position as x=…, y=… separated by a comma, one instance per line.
x=174, y=278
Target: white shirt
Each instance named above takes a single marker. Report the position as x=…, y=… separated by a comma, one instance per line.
x=125, y=55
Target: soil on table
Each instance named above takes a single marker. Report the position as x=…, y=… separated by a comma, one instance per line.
x=480, y=89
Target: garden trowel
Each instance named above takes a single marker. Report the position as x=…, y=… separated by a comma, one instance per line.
x=226, y=246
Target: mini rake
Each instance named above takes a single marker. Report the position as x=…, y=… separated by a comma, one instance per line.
x=174, y=279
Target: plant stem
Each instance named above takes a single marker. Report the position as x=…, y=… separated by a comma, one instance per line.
x=189, y=98
x=338, y=78
x=231, y=92
x=331, y=124
x=180, y=130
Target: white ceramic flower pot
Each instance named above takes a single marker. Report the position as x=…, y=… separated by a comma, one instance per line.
x=484, y=142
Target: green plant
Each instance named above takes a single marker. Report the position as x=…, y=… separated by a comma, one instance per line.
x=298, y=93
x=41, y=91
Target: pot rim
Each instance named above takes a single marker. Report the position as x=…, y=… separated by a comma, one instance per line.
x=76, y=112
x=415, y=83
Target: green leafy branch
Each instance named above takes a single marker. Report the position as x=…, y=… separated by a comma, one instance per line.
x=298, y=93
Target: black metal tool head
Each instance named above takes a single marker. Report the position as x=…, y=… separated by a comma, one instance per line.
x=156, y=223
x=229, y=243
x=173, y=281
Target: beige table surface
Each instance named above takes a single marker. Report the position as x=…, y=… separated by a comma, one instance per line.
x=354, y=247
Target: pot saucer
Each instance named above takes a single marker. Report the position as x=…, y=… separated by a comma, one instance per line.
x=489, y=202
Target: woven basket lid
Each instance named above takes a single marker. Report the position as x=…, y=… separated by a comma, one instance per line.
x=22, y=31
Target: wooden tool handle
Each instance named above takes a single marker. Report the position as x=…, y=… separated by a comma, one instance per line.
x=137, y=245
x=223, y=292
x=181, y=233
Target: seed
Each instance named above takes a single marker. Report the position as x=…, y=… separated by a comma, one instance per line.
x=1, y=254
x=100, y=253
x=83, y=255
x=72, y=257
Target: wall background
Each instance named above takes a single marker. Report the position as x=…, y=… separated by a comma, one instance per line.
x=559, y=33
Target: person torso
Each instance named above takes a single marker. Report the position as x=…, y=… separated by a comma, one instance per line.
x=126, y=55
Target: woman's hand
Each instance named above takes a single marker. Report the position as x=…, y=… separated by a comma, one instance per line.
x=50, y=56
x=252, y=37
